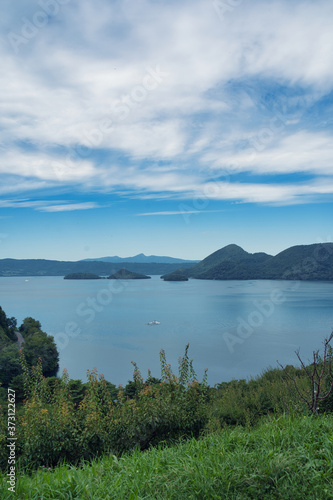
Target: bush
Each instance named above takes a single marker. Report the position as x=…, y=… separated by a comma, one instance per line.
x=243, y=403
x=52, y=428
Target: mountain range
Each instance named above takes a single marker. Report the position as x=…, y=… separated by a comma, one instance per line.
x=141, y=258
x=42, y=267
x=302, y=262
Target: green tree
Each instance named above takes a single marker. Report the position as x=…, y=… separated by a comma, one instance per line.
x=10, y=365
x=29, y=327
x=41, y=345
x=7, y=329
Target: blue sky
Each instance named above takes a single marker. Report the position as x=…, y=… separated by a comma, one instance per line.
x=168, y=128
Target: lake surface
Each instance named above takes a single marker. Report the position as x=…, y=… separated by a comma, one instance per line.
x=236, y=329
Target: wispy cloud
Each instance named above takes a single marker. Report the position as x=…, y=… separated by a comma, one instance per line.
x=155, y=99
x=44, y=205
x=68, y=208
x=179, y=212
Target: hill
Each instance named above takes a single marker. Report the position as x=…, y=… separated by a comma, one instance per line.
x=141, y=258
x=302, y=262
x=230, y=262
x=124, y=274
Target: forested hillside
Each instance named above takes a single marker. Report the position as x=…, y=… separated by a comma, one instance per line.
x=302, y=262
x=37, y=344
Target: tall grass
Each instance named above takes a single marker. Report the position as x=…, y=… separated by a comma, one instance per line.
x=253, y=439
x=282, y=458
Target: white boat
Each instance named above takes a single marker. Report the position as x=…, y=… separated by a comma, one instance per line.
x=151, y=323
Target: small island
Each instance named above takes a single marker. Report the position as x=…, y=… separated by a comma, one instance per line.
x=82, y=276
x=124, y=274
x=178, y=275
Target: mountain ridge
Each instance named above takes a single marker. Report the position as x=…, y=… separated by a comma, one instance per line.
x=141, y=258
x=301, y=262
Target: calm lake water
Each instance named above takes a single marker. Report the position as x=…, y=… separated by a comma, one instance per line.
x=235, y=328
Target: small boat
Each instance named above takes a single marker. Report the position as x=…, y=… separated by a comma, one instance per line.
x=151, y=323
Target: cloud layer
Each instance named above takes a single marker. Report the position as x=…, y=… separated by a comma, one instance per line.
x=177, y=100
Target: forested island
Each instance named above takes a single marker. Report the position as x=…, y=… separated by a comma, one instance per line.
x=82, y=276
x=122, y=274
x=178, y=275
x=125, y=274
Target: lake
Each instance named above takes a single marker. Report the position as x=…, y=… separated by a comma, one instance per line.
x=236, y=329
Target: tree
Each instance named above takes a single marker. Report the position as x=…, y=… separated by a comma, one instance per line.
x=10, y=365
x=41, y=345
x=320, y=376
x=29, y=327
x=7, y=329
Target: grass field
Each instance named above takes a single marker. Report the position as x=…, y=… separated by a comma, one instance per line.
x=281, y=458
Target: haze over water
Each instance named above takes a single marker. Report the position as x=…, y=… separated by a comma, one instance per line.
x=235, y=328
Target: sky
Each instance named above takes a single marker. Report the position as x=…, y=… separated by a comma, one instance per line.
x=164, y=127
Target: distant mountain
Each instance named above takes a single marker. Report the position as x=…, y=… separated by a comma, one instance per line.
x=141, y=258
x=302, y=262
x=41, y=267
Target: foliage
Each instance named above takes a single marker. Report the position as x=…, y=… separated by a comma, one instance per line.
x=29, y=327
x=282, y=458
x=65, y=420
x=9, y=363
x=37, y=344
x=242, y=402
x=40, y=345
x=7, y=329
x=60, y=421
x=319, y=376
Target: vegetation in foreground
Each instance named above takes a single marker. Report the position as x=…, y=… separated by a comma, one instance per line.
x=286, y=457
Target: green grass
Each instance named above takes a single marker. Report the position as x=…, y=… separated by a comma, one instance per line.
x=281, y=458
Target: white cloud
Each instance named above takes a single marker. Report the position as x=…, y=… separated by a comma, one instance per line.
x=269, y=154
x=44, y=205
x=178, y=212
x=103, y=59
x=69, y=207
x=282, y=194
